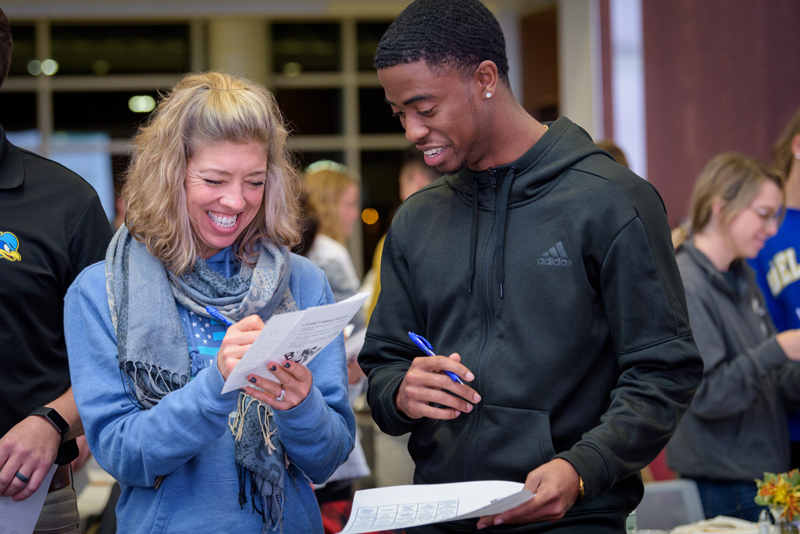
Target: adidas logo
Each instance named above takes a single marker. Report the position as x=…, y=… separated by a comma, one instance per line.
x=556, y=256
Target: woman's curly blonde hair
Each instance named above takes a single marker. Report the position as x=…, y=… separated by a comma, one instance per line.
x=204, y=109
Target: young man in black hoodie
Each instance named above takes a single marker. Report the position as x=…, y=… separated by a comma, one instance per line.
x=547, y=273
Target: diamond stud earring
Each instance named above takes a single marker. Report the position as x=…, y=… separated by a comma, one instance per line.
x=488, y=95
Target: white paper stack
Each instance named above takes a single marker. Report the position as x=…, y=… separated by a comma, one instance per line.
x=400, y=507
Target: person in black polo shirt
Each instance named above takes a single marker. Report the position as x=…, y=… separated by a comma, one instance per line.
x=52, y=226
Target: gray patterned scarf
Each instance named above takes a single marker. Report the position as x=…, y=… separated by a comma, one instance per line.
x=154, y=354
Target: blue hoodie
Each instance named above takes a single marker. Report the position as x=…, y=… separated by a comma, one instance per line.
x=185, y=438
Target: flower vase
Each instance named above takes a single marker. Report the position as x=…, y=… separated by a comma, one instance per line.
x=782, y=525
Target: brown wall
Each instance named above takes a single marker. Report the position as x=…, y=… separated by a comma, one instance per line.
x=720, y=75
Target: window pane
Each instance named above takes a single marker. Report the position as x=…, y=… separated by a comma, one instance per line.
x=312, y=111
x=375, y=114
x=121, y=49
x=23, y=52
x=369, y=35
x=306, y=48
x=380, y=191
x=98, y=112
x=19, y=111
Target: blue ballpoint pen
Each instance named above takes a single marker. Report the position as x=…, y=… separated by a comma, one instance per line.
x=213, y=312
x=426, y=347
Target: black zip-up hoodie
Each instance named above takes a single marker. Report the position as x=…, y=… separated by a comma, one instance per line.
x=554, y=278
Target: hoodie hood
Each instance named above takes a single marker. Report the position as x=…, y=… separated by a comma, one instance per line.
x=503, y=187
x=561, y=147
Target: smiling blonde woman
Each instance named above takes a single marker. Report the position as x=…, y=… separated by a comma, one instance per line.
x=211, y=211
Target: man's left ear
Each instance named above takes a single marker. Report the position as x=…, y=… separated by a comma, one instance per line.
x=486, y=79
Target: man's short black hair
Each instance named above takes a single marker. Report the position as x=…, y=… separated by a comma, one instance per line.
x=446, y=34
x=6, y=44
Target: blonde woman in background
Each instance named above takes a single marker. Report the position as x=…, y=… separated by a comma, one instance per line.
x=777, y=269
x=334, y=194
x=735, y=429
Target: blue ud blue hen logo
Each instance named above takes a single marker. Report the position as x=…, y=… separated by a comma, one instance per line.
x=8, y=246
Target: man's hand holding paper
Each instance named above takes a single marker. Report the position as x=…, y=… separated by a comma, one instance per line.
x=555, y=488
x=425, y=383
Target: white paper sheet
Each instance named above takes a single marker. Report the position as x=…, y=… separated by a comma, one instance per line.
x=411, y=506
x=21, y=517
x=298, y=336
x=354, y=343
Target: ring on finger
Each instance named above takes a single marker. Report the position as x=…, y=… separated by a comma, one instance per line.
x=22, y=477
x=280, y=397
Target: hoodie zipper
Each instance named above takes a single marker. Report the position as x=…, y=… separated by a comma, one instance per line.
x=487, y=307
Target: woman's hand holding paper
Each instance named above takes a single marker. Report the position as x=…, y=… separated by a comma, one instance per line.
x=295, y=383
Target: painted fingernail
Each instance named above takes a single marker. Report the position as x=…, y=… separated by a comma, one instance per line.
x=287, y=365
x=273, y=367
x=470, y=377
x=252, y=379
x=477, y=398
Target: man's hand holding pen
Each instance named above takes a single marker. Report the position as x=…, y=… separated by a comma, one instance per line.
x=425, y=383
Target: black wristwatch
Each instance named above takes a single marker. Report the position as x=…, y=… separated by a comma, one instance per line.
x=55, y=419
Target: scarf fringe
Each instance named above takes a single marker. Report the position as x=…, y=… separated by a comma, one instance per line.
x=271, y=510
x=148, y=383
x=237, y=419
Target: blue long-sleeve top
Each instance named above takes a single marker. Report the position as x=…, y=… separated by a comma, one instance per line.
x=185, y=437
x=778, y=274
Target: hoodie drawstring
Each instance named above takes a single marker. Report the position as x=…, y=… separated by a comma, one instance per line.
x=473, y=235
x=500, y=244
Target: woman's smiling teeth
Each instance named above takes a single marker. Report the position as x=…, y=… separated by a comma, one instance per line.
x=224, y=222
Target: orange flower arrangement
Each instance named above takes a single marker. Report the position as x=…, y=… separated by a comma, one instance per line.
x=781, y=493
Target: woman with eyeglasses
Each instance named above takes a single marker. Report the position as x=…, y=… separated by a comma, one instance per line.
x=735, y=429
x=777, y=268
